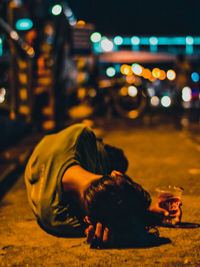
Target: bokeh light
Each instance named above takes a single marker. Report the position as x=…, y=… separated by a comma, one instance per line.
x=137, y=69
x=110, y=71
x=155, y=101
x=132, y=91
x=68, y=12
x=24, y=24
x=152, y=79
x=195, y=77
x=107, y=45
x=118, y=40
x=166, y=101
x=146, y=73
x=133, y=114
x=123, y=91
x=186, y=94
x=14, y=35
x=95, y=37
x=138, y=81
x=126, y=69
x=135, y=40
x=56, y=10
x=92, y=92
x=153, y=40
x=130, y=79
x=81, y=22
x=189, y=40
x=156, y=73
x=171, y=75
x=162, y=75
x=2, y=94
x=151, y=91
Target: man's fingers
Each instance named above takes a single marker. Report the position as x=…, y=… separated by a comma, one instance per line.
x=157, y=209
x=90, y=233
x=98, y=232
x=106, y=235
x=163, y=211
x=87, y=220
x=99, y=237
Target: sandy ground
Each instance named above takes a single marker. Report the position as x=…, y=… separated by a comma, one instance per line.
x=157, y=156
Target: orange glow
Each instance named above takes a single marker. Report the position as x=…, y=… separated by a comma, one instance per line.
x=138, y=81
x=81, y=77
x=22, y=64
x=126, y=69
x=81, y=63
x=48, y=125
x=162, y=75
x=130, y=79
x=23, y=78
x=146, y=73
x=81, y=92
x=156, y=73
x=41, y=65
x=152, y=79
x=124, y=91
x=122, y=68
x=31, y=51
x=23, y=94
x=12, y=115
x=30, y=36
x=133, y=114
x=24, y=109
x=81, y=22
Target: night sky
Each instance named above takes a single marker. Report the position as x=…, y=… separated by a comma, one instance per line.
x=141, y=17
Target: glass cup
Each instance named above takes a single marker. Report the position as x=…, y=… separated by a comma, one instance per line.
x=169, y=198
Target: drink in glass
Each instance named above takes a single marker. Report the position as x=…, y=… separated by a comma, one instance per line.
x=169, y=198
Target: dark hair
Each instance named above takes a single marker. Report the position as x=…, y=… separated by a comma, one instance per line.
x=116, y=202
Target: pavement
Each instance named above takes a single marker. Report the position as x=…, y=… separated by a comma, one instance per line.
x=159, y=155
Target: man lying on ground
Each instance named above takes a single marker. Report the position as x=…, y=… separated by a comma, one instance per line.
x=77, y=185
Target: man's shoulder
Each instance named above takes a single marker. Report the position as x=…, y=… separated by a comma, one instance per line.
x=77, y=132
x=75, y=128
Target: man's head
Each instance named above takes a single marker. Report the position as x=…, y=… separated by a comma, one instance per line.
x=116, y=202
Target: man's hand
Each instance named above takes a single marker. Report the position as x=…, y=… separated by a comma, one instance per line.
x=98, y=236
x=164, y=216
x=156, y=209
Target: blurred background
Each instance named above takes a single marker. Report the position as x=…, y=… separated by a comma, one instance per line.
x=66, y=61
